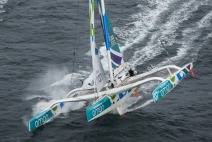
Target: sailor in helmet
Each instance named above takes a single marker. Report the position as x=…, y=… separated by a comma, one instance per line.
x=122, y=78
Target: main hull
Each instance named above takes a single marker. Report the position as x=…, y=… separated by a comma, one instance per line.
x=106, y=105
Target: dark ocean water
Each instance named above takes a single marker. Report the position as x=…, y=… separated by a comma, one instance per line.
x=38, y=39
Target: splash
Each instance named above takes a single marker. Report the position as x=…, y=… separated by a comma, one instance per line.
x=25, y=120
x=67, y=80
x=52, y=86
x=40, y=106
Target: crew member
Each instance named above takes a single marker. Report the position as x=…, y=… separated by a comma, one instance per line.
x=131, y=72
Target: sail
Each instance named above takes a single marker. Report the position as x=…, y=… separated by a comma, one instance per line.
x=98, y=72
x=115, y=52
x=115, y=56
x=99, y=75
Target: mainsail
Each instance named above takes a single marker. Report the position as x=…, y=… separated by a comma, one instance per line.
x=98, y=72
x=115, y=58
x=116, y=55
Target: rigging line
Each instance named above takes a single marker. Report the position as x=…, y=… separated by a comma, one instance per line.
x=75, y=43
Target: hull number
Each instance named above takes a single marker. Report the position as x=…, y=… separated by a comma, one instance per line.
x=98, y=110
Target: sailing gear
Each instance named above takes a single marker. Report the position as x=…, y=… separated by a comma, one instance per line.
x=131, y=72
x=112, y=85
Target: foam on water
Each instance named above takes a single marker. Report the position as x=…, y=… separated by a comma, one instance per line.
x=167, y=32
x=143, y=22
x=187, y=49
x=67, y=80
x=40, y=106
x=2, y=3
x=205, y=21
x=25, y=120
x=37, y=96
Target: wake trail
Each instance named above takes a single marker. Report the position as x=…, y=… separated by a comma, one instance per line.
x=167, y=32
x=140, y=106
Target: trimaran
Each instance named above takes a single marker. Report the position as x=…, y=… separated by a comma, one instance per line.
x=123, y=82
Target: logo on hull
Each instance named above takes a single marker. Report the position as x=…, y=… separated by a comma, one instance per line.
x=162, y=90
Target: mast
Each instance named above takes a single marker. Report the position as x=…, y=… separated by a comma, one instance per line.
x=102, y=13
x=98, y=72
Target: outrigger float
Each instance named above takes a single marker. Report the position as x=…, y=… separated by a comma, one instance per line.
x=123, y=82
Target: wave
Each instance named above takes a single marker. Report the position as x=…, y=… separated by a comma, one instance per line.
x=205, y=21
x=2, y=3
